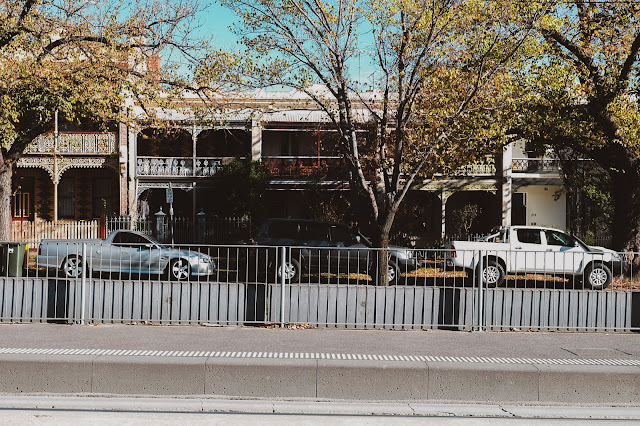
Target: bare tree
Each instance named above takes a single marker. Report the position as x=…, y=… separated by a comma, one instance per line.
x=440, y=67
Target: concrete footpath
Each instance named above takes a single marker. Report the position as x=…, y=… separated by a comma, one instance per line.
x=321, y=364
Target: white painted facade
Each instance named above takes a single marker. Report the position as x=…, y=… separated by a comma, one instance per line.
x=545, y=206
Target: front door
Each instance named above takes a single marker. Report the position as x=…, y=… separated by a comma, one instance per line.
x=563, y=254
x=22, y=200
x=315, y=238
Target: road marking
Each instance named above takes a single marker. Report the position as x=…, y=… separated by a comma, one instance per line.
x=319, y=355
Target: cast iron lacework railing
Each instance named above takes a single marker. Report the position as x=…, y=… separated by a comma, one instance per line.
x=535, y=165
x=74, y=143
x=177, y=166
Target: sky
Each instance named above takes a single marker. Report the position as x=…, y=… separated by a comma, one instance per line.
x=215, y=23
x=216, y=20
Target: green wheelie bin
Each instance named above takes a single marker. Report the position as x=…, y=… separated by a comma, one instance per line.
x=13, y=254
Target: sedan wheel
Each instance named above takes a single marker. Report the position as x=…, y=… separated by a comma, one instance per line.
x=179, y=269
x=72, y=267
x=392, y=272
x=291, y=270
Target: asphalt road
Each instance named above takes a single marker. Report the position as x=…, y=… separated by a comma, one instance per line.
x=548, y=345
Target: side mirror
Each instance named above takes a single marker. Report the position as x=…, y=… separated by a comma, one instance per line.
x=576, y=244
x=357, y=238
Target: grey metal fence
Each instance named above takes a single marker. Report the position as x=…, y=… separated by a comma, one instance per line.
x=137, y=282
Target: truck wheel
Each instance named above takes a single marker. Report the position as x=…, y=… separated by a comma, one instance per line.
x=72, y=266
x=597, y=276
x=179, y=270
x=493, y=274
x=291, y=270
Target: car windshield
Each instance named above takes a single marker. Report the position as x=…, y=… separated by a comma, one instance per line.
x=133, y=239
x=364, y=240
x=156, y=243
x=585, y=245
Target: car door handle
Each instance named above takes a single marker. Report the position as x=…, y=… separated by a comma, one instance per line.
x=549, y=249
x=98, y=251
x=518, y=248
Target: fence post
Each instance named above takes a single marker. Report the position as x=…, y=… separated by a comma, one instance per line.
x=83, y=292
x=282, y=282
x=201, y=227
x=103, y=226
x=480, y=294
x=160, y=218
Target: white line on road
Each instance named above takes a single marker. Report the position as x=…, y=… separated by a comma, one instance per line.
x=290, y=355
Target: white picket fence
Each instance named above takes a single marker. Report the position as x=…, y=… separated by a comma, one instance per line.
x=33, y=232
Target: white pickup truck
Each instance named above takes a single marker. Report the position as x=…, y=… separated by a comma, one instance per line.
x=537, y=250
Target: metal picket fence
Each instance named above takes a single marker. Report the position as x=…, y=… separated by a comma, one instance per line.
x=147, y=282
x=181, y=230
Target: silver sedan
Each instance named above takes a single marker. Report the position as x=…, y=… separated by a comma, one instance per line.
x=124, y=251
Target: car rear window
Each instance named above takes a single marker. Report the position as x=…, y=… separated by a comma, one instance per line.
x=529, y=236
x=316, y=232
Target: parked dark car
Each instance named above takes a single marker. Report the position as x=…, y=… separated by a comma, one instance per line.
x=321, y=247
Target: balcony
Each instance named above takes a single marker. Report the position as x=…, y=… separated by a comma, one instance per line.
x=177, y=166
x=74, y=143
x=478, y=169
x=307, y=167
x=518, y=165
x=535, y=165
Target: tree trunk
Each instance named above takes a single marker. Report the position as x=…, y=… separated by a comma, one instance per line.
x=381, y=241
x=6, y=169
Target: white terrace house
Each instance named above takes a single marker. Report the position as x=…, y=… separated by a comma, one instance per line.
x=73, y=175
x=78, y=173
x=296, y=142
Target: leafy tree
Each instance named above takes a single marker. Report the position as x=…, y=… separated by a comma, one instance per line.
x=439, y=66
x=241, y=186
x=588, y=191
x=583, y=96
x=86, y=60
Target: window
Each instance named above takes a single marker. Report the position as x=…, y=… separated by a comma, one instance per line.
x=102, y=202
x=343, y=234
x=126, y=239
x=529, y=236
x=283, y=230
x=66, y=198
x=289, y=144
x=555, y=238
x=316, y=232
